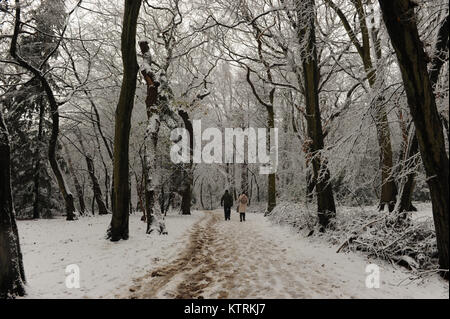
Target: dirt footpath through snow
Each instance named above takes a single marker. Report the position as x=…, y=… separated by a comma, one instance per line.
x=255, y=259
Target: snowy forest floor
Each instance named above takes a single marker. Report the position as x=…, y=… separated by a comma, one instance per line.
x=203, y=257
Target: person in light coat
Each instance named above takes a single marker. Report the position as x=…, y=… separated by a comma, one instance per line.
x=242, y=206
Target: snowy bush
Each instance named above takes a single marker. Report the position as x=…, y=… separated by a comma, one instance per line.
x=408, y=241
x=295, y=215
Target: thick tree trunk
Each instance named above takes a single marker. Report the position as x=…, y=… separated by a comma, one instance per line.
x=400, y=21
x=153, y=102
x=186, y=199
x=306, y=35
x=12, y=275
x=440, y=51
x=154, y=219
x=121, y=208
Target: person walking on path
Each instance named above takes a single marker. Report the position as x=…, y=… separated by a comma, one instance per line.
x=227, y=203
x=242, y=206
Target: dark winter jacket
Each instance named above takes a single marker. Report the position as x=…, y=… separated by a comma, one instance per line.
x=227, y=200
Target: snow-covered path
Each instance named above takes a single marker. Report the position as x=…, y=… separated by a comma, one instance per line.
x=256, y=259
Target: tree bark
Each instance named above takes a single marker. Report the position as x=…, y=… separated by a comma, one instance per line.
x=186, y=194
x=120, y=218
x=153, y=103
x=437, y=62
x=400, y=21
x=12, y=275
x=307, y=38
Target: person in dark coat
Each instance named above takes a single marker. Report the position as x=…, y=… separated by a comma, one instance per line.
x=227, y=202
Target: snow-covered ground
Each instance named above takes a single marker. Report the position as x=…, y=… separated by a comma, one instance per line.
x=343, y=275
x=203, y=256
x=257, y=259
x=49, y=246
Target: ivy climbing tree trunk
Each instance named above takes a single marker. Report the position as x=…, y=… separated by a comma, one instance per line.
x=121, y=200
x=400, y=20
x=12, y=275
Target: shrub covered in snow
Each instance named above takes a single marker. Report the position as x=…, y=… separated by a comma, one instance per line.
x=296, y=215
x=409, y=241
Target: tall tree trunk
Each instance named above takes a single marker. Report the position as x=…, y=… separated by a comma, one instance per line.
x=388, y=187
x=307, y=38
x=440, y=51
x=400, y=21
x=37, y=162
x=188, y=180
x=12, y=275
x=186, y=198
x=271, y=178
x=120, y=217
x=76, y=182
x=153, y=102
x=154, y=218
x=67, y=195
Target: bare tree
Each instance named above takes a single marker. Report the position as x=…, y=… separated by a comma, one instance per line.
x=121, y=201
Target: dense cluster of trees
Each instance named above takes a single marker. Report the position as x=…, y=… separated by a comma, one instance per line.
x=90, y=92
